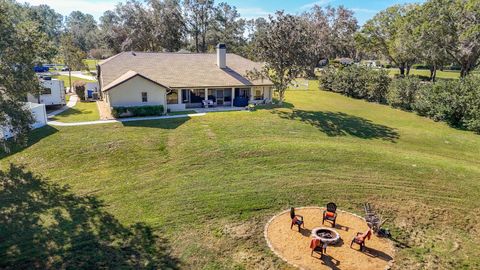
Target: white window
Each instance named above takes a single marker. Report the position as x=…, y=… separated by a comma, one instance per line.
x=144, y=97
x=46, y=91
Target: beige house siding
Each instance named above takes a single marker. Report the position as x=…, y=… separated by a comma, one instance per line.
x=130, y=92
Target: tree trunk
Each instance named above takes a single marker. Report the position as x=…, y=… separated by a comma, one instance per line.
x=204, y=42
x=467, y=67
x=196, y=42
x=70, y=78
x=433, y=73
x=402, y=70
x=465, y=70
x=408, y=70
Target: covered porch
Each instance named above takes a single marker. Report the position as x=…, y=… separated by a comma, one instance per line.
x=208, y=98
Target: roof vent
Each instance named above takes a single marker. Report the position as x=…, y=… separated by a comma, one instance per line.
x=221, y=55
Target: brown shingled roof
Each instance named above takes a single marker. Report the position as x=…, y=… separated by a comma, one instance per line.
x=177, y=70
x=125, y=77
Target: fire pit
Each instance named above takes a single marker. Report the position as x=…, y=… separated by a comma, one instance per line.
x=326, y=235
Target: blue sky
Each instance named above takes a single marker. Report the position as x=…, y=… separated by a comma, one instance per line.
x=364, y=10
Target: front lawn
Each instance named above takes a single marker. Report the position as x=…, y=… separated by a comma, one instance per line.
x=207, y=185
x=81, y=112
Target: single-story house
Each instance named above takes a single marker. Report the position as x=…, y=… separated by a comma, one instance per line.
x=180, y=81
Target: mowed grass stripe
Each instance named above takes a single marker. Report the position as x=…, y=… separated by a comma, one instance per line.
x=181, y=176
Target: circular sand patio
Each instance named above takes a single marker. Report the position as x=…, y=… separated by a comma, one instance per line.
x=294, y=247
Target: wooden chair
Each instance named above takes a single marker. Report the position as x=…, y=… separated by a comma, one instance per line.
x=360, y=239
x=330, y=214
x=296, y=219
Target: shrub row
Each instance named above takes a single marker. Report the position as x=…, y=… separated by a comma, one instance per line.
x=456, y=102
x=357, y=82
x=121, y=112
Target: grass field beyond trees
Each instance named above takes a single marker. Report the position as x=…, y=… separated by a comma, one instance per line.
x=207, y=185
x=66, y=80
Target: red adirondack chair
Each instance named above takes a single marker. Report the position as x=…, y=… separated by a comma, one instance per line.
x=360, y=239
x=296, y=219
x=330, y=214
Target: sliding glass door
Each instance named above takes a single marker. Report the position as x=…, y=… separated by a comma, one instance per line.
x=192, y=98
x=222, y=97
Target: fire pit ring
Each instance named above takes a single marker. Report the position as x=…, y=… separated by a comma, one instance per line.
x=326, y=235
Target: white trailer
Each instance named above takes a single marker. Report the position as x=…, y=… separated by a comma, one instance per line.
x=39, y=113
x=53, y=93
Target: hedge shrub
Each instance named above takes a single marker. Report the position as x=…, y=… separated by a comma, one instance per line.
x=121, y=112
x=471, y=101
x=357, y=82
x=455, y=102
x=440, y=101
x=402, y=92
x=327, y=77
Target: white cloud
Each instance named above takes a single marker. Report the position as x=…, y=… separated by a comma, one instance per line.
x=253, y=12
x=65, y=7
x=316, y=3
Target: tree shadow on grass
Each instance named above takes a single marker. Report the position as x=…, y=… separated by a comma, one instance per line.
x=34, y=137
x=46, y=226
x=341, y=124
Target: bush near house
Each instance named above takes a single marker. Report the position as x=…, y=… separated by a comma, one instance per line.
x=121, y=112
x=79, y=88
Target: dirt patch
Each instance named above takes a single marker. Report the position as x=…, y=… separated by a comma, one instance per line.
x=294, y=246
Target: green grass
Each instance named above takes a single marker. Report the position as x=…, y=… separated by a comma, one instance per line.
x=426, y=73
x=81, y=112
x=66, y=80
x=91, y=64
x=207, y=185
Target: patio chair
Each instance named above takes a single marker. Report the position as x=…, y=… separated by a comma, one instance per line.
x=360, y=239
x=316, y=244
x=205, y=103
x=296, y=219
x=330, y=214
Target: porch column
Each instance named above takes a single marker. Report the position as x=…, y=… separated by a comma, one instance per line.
x=179, y=95
x=206, y=93
x=233, y=96
x=251, y=93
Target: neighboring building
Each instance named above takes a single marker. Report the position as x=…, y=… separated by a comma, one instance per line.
x=370, y=63
x=180, y=81
x=345, y=61
x=52, y=93
x=39, y=114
